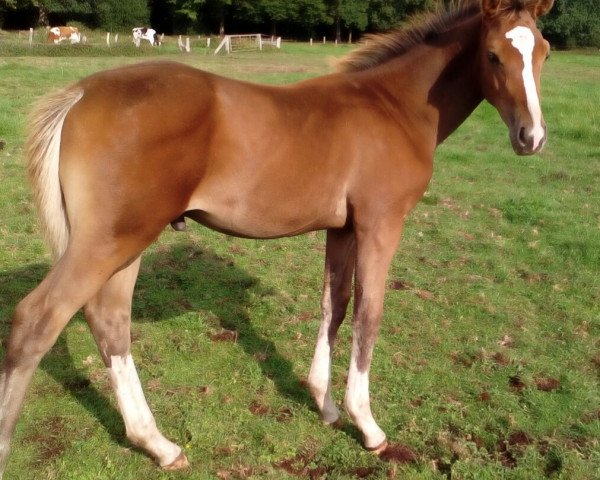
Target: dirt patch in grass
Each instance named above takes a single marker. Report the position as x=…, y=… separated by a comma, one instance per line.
x=258, y=408
x=547, y=384
x=239, y=472
x=399, y=284
x=398, y=453
x=301, y=465
x=596, y=362
x=508, y=450
x=225, y=336
x=284, y=414
x=516, y=384
x=51, y=438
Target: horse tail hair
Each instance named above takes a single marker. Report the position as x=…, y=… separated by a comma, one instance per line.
x=42, y=150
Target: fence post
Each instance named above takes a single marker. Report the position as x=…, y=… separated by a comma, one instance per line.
x=259, y=40
x=116, y=38
x=187, y=44
x=108, y=38
x=31, y=37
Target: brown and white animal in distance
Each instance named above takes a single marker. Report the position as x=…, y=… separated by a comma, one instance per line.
x=57, y=34
x=143, y=33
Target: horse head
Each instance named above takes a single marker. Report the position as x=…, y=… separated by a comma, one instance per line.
x=512, y=54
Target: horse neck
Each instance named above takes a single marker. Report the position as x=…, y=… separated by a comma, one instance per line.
x=438, y=82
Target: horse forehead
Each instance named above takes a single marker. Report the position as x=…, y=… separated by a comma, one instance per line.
x=522, y=38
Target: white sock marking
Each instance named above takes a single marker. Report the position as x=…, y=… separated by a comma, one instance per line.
x=319, y=378
x=523, y=40
x=139, y=422
x=358, y=405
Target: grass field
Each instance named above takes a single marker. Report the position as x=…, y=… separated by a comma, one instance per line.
x=488, y=362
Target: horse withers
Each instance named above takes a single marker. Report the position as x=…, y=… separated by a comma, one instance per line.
x=106, y=190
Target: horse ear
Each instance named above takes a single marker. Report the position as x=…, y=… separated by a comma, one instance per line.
x=540, y=8
x=490, y=8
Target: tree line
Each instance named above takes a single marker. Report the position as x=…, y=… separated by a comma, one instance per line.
x=571, y=23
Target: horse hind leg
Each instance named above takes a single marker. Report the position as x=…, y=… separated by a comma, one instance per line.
x=337, y=288
x=41, y=316
x=109, y=317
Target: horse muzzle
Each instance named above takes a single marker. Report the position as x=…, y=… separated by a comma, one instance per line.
x=526, y=140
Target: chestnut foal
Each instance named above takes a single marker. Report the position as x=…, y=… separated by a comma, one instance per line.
x=109, y=173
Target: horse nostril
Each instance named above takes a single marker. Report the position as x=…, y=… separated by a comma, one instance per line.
x=522, y=136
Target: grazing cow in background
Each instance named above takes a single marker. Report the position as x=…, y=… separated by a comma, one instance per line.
x=143, y=33
x=58, y=34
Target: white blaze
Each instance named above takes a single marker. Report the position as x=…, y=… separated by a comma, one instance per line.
x=523, y=40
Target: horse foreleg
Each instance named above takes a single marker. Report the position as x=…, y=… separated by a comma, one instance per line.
x=374, y=254
x=38, y=320
x=337, y=288
x=109, y=317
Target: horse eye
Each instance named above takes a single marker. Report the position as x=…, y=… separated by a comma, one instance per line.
x=493, y=58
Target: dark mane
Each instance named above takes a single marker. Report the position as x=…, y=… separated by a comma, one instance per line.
x=378, y=49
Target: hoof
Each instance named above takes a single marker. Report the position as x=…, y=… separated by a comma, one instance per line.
x=379, y=449
x=335, y=424
x=180, y=462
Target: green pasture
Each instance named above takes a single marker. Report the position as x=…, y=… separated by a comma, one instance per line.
x=488, y=361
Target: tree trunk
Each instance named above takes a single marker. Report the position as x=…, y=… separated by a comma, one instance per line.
x=43, y=17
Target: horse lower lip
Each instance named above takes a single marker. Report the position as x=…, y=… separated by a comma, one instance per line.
x=524, y=151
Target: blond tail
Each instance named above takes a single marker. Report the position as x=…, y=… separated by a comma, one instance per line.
x=43, y=152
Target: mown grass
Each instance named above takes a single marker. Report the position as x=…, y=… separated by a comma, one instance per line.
x=488, y=362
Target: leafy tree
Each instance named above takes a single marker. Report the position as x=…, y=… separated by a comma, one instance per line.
x=310, y=13
x=573, y=23
x=570, y=23
x=117, y=15
x=387, y=14
x=350, y=13
x=218, y=9
x=186, y=13
x=44, y=8
x=277, y=11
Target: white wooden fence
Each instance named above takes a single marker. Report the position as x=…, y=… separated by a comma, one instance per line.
x=251, y=41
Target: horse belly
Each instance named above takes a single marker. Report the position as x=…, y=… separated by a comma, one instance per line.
x=264, y=215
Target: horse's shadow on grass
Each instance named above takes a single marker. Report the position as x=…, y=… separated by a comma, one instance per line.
x=223, y=289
